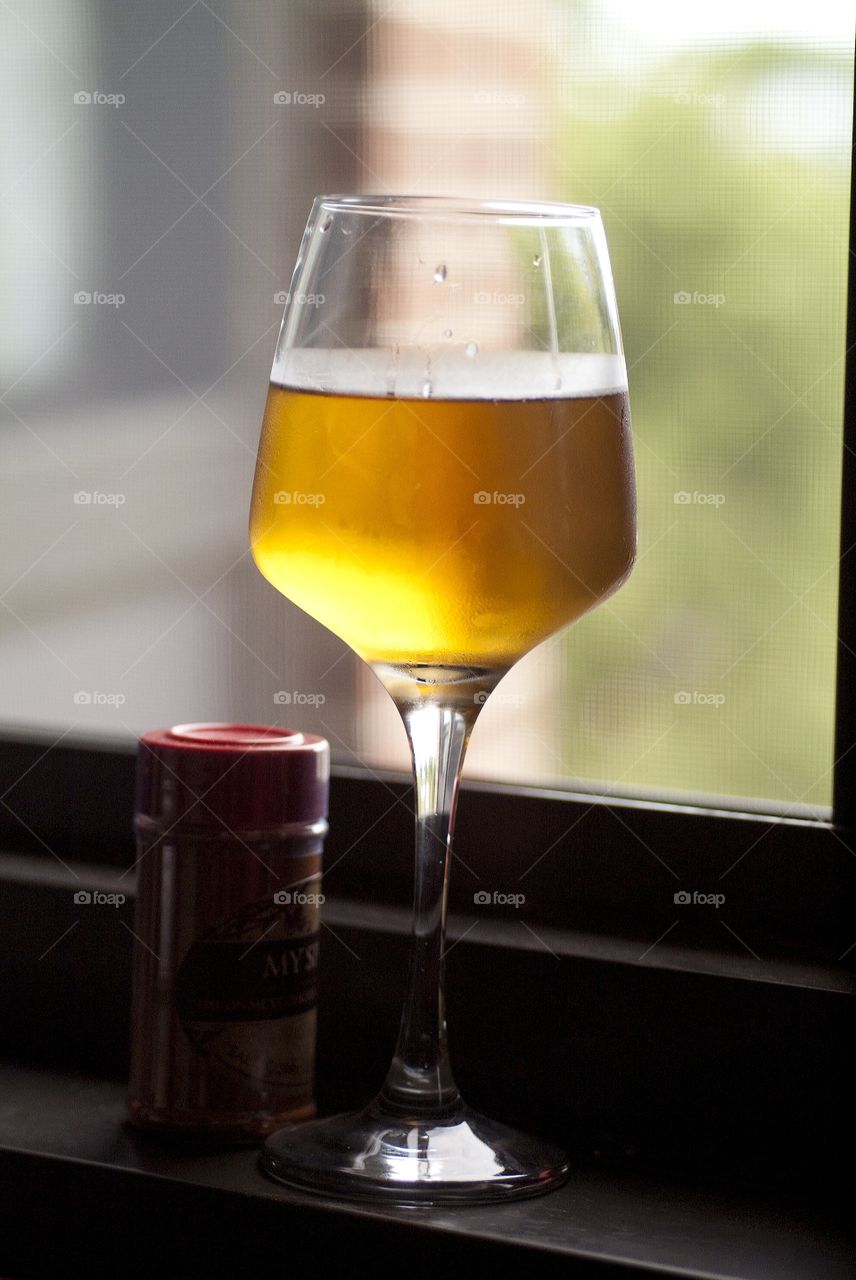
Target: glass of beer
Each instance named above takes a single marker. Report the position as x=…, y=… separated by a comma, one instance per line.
x=445, y=479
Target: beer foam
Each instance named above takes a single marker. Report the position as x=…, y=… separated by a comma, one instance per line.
x=455, y=372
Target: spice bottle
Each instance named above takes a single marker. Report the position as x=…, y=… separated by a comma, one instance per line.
x=230, y=822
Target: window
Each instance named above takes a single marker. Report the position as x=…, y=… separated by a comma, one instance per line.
x=717, y=146
x=152, y=212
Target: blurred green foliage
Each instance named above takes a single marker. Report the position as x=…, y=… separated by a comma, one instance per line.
x=726, y=211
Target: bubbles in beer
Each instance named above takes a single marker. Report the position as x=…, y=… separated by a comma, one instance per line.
x=440, y=570
x=536, y=261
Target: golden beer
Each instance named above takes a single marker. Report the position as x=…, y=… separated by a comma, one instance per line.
x=444, y=532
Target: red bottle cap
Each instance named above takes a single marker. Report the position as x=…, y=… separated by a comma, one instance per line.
x=239, y=777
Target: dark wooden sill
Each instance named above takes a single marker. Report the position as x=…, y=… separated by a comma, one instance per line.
x=705, y=1103
x=83, y=1189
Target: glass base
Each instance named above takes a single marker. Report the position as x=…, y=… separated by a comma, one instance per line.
x=463, y=1158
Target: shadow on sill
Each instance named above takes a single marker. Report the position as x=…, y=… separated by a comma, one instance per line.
x=64, y=1145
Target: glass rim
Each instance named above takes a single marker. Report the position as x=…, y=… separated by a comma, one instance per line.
x=523, y=212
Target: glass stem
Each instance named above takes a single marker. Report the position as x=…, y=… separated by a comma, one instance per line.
x=420, y=1078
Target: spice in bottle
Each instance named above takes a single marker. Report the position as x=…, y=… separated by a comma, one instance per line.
x=230, y=824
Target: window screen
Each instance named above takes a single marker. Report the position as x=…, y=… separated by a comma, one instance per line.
x=716, y=144
x=715, y=141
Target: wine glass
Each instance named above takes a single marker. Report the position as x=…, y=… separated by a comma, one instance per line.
x=445, y=479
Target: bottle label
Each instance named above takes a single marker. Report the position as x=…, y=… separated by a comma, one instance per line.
x=245, y=991
x=240, y=982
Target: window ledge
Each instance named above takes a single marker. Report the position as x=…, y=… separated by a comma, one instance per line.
x=359, y=914
x=62, y=1139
